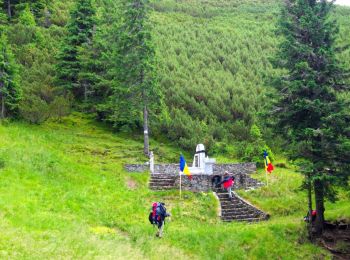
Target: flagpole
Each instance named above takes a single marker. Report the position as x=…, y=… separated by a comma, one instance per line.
x=180, y=186
x=267, y=180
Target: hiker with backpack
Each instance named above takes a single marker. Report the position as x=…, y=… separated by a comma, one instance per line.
x=157, y=217
x=228, y=182
x=313, y=216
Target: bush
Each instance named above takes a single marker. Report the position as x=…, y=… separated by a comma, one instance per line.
x=34, y=110
x=60, y=107
x=254, y=150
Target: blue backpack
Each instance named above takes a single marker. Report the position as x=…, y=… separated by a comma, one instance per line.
x=158, y=213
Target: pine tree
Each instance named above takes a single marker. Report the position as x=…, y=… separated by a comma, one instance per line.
x=136, y=90
x=26, y=16
x=10, y=93
x=13, y=7
x=311, y=115
x=80, y=31
x=3, y=17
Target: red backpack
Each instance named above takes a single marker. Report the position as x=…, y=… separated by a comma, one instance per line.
x=158, y=213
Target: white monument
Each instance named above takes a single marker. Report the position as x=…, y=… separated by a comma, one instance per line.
x=202, y=164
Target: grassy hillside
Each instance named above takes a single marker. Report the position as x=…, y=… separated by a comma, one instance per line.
x=64, y=194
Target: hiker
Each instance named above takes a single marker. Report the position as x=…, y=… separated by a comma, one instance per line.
x=157, y=217
x=228, y=182
x=313, y=216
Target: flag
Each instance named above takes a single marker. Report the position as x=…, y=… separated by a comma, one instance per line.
x=184, y=168
x=268, y=165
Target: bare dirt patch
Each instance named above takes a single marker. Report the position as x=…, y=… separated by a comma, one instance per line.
x=336, y=239
x=131, y=184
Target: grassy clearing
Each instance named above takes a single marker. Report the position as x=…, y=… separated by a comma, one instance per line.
x=64, y=194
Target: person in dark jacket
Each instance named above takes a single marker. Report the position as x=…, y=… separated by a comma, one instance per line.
x=313, y=216
x=157, y=216
x=228, y=182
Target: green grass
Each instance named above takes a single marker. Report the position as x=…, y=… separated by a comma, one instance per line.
x=64, y=194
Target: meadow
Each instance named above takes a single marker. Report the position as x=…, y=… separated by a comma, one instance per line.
x=64, y=194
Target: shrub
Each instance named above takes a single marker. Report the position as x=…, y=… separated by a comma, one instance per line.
x=60, y=107
x=34, y=110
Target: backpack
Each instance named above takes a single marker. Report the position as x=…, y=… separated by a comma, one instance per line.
x=158, y=213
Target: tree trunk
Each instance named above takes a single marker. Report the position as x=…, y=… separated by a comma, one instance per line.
x=319, y=199
x=2, y=107
x=145, y=131
x=9, y=8
x=145, y=118
x=309, y=198
x=85, y=92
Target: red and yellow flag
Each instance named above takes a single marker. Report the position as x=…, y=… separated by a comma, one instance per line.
x=268, y=165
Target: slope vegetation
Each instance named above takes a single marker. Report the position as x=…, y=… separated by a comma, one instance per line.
x=215, y=65
x=64, y=194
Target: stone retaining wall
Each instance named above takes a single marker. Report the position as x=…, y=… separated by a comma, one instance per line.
x=235, y=168
x=205, y=183
x=173, y=168
x=201, y=182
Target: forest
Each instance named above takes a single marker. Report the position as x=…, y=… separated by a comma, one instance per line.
x=99, y=77
x=212, y=67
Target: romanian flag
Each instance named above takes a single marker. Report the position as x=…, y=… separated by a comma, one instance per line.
x=268, y=165
x=184, y=168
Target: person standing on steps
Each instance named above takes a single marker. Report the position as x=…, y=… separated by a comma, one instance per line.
x=228, y=182
x=157, y=217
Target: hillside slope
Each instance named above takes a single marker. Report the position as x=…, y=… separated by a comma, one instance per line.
x=64, y=194
x=215, y=65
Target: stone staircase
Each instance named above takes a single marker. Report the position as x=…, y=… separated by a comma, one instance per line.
x=237, y=209
x=162, y=182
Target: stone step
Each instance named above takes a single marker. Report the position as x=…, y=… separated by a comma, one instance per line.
x=224, y=196
x=239, y=216
x=161, y=182
x=163, y=188
x=163, y=185
x=237, y=211
x=244, y=219
x=155, y=179
x=238, y=207
x=161, y=176
x=232, y=203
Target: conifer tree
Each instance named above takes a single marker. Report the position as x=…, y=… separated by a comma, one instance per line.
x=3, y=17
x=10, y=93
x=311, y=114
x=80, y=31
x=136, y=91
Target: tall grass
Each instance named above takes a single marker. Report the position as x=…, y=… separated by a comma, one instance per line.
x=64, y=194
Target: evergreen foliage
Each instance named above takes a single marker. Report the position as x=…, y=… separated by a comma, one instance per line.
x=3, y=17
x=79, y=32
x=314, y=119
x=26, y=17
x=14, y=7
x=10, y=92
x=135, y=83
x=212, y=62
